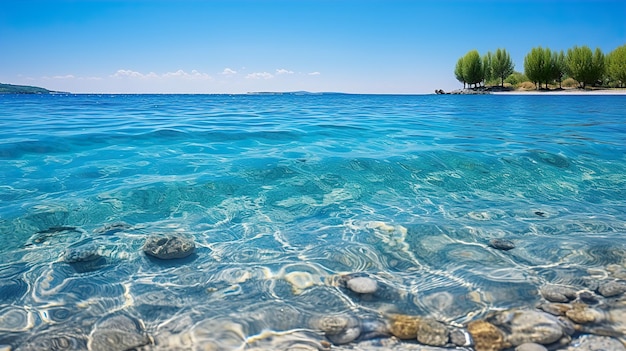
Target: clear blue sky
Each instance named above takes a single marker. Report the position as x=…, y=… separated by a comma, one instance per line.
x=236, y=46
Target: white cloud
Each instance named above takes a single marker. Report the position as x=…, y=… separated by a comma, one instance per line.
x=228, y=72
x=283, y=71
x=314, y=73
x=180, y=74
x=124, y=73
x=67, y=76
x=260, y=75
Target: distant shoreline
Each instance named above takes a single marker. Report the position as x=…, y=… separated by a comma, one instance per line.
x=26, y=90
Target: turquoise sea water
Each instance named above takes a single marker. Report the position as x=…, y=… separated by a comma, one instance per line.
x=283, y=194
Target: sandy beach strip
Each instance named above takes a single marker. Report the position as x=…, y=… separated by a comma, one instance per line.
x=563, y=92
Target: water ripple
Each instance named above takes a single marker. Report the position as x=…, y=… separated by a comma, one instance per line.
x=285, y=197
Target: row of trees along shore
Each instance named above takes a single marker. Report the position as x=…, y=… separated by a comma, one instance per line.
x=578, y=67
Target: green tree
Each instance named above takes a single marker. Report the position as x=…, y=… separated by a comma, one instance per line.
x=487, y=67
x=516, y=78
x=501, y=65
x=458, y=71
x=584, y=65
x=616, y=65
x=599, y=68
x=472, y=68
x=538, y=66
x=560, y=67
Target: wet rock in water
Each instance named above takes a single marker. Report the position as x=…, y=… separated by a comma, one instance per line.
x=555, y=309
x=558, y=293
x=460, y=337
x=362, y=285
x=433, y=333
x=501, y=244
x=527, y=326
x=118, y=332
x=83, y=253
x=582, y=314
x=373, y=328
x=596, y=343
x=550, y=158
x=339, y=329
x=587, y=296
x=169, y=246
x=404, y=327
x=530, y=346
x=486, y=336
x=612, y=288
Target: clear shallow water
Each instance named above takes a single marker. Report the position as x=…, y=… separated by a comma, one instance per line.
x=282, y=194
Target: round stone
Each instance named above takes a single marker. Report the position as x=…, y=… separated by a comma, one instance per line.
x=169, y=246
x=596, y=343
x=404, y=327
x=362, y=285
x=530, y=346
x=118, y=332
x=332, y=325
x=486, y=336
x=433, y=333
x=558, y=293
x=501, y=244
x=84, y=253
x=582, y=314
x=612, y=288
x=461, y=337
x=526, y=326
x=339, y=329
x=346, y=336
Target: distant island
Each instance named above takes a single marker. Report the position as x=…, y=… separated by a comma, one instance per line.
x=25, y=89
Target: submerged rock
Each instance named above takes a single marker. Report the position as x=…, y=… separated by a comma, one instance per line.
x=580, y=313
x=486, y=336
x=587, y=296
x=362, y=285
x=530, y=346
x=117, y=332
x=461, y=337
x=550, y=158
x=373, y=328
x=83, y=253
x=528, y=326
x=501, y=244
x=339, y=329
x=169, y=246
x=596, y=343
x=612, y=288
x=558, y=293
x=433, y=333
x=404, y=327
